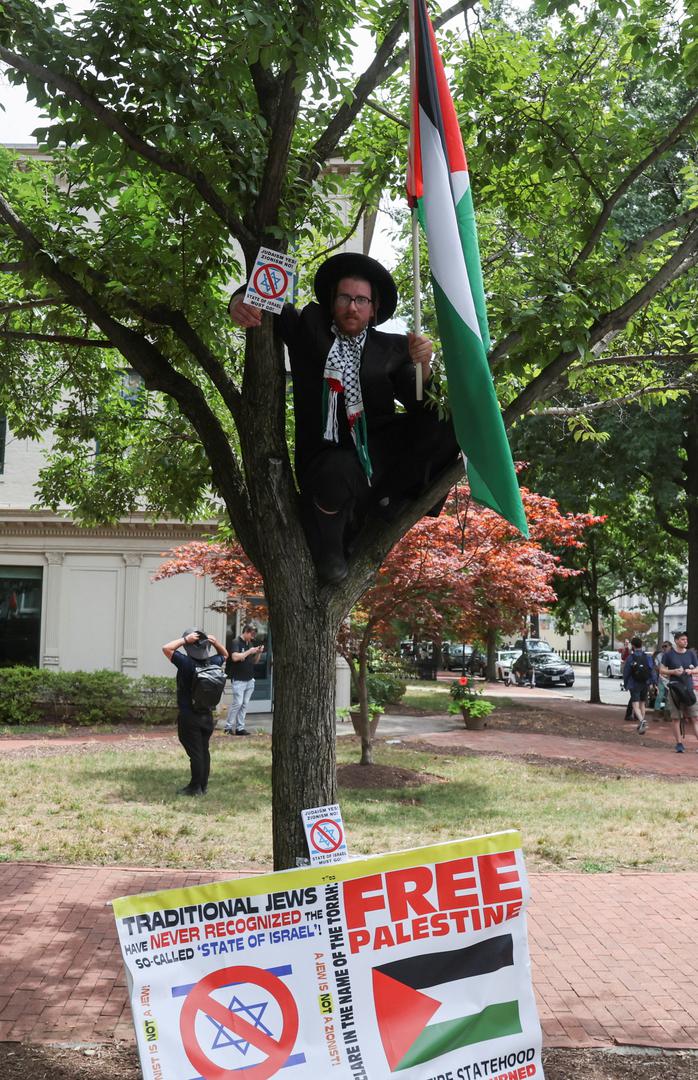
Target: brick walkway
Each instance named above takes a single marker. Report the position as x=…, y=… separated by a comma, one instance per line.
x=614, y=956
x=652, y=756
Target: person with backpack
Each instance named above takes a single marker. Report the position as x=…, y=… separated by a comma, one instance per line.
x=638, y=676
x=200, y=685
x=678, y=665
x=240, y=667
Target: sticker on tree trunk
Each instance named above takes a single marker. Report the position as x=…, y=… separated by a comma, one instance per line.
x=324, y=833
x=413, y=964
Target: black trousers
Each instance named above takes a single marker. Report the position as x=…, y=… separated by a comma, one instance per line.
x=406, y=453
x=195, y=731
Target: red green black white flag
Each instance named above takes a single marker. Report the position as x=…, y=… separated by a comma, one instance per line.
x=416, y=1027
x=438, y=184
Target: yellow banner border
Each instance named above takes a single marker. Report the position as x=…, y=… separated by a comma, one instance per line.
x=306, y=876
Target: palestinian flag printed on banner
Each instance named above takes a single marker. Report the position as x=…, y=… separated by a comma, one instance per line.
x=404, y=1012
x=438, y=185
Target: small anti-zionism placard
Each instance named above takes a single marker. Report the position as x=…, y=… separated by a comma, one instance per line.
x=412, y=965
x=324, y=832
x=270, y=280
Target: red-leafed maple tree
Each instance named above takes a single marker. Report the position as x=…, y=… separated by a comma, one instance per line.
x=467, y=571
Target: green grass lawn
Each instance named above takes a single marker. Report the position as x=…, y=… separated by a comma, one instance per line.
x=118, y=806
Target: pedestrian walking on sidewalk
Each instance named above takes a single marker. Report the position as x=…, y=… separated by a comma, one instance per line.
x=677, y=665
x=638, y=676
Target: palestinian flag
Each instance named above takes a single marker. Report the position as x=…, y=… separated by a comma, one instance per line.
x=438, y=185
x=404, y=1011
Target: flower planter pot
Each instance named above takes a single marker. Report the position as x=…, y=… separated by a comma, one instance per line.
x=356, y=721
x=473, y=723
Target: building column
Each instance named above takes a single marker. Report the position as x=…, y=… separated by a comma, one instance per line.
x=130, y=657
x=54, y=581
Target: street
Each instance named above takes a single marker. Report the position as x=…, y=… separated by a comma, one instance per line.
x=612, y=692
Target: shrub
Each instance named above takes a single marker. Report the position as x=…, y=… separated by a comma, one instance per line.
x=385, y=687
x=21, y=691
x=34, y=695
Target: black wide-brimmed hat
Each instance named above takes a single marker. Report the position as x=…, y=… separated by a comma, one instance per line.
x=198, y=650
x=352, y=264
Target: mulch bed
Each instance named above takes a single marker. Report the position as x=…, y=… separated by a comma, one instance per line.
x=366, y=777
x=19, y=1061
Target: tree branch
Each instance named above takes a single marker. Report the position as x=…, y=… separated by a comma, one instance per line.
x=288, y=103
x=627, y=182
x=380, y=68
x=686, y=384
x=347, y=236
x=683, y=258
x=158, y=374
x=673, y=530
x=23, y=305
x=660, y=230
x=16, y=267
x=57, y=339
x=115, y=123
x=621, y=361
x=178, y=322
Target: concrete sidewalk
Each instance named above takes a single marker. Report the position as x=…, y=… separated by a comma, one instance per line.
x=614, y=956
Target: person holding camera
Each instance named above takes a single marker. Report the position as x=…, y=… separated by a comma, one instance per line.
x=194, y=725
x=243, y=657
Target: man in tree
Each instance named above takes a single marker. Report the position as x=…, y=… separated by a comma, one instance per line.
x=194, y=726
x=354, y=451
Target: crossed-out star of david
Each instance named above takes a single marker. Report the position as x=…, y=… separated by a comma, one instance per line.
x=253, y=1013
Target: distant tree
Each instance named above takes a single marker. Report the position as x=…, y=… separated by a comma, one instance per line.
x=467, y=570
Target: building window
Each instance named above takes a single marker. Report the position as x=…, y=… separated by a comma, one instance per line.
x=20, y=615
x=3, y=437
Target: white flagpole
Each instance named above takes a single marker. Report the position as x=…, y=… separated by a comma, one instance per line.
x=416, y=282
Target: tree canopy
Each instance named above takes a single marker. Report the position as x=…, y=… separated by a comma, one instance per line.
x=180, y=131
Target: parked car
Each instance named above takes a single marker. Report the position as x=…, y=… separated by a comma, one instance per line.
x=503, y=661
x=459, y=657
x=610, y=664
x=551, y=669
x=533, y=644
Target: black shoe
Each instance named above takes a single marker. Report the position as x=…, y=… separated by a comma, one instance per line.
x=243, y=732
x=390, y=507
x=332, y=568
x=189, y=790
x=228, y=731
x=328, y=546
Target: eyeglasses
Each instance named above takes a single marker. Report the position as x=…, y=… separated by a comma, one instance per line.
x=343, y=300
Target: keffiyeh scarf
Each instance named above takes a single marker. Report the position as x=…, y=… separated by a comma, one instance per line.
x=342, y=375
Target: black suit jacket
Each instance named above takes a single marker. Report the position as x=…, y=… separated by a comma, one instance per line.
x=387, y=373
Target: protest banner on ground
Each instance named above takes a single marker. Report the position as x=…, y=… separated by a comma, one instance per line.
x=412, y=964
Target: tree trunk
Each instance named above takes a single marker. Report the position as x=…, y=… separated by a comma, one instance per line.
x=594, y=612
x=365, y=719
x=303, y=734
x=691, y=472
x=491, y=638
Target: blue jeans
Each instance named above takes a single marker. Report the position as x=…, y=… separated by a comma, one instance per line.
x=242, y=692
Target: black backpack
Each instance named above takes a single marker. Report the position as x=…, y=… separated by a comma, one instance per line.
x=207, y=686
x=639, y=668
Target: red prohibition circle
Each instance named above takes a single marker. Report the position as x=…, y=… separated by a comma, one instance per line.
x=199, y=1000
x=332, y=843
x=264, y=283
